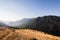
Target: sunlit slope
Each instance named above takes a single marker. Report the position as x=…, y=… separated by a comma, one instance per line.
x=24, y=34
x=37, y=34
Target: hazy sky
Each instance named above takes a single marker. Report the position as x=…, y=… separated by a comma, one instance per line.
x=11, y=10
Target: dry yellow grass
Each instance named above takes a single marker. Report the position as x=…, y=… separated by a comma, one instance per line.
x=37, y=34
x=24, y=34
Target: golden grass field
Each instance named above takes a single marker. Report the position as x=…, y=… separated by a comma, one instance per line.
x=24, y=34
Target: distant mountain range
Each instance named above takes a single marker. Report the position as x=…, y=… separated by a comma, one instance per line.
x=20, y=22
x=16, y=23
x=3, y=24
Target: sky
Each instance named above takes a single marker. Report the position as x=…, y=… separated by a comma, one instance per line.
x=12, y=10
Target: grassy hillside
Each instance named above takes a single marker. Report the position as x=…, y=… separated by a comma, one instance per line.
x=24, y=34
